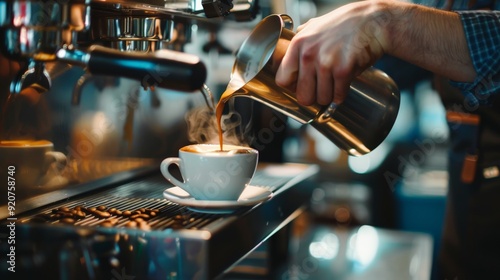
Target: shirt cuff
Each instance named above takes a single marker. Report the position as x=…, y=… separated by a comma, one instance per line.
x=483, y=39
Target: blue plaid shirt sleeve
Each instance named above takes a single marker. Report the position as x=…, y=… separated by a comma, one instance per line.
x=482, y=31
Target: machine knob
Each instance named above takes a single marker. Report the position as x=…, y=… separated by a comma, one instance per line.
x=217, y=8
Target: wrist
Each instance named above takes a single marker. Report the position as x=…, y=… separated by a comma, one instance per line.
x=427, y=37
x=392, y=22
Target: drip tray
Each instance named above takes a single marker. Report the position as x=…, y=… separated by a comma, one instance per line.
x=131, y=230
x=137, y=204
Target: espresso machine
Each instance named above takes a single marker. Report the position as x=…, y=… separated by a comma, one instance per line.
x=110, y=84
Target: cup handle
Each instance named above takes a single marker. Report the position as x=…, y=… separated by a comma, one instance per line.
x=55, y=157
x=165, y=164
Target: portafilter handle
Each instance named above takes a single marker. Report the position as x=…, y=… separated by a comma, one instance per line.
x=163, y=68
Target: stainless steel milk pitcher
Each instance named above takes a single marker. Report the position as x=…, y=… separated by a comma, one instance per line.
x=358, y=125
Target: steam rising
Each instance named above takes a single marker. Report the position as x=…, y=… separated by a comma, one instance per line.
x=202, y=126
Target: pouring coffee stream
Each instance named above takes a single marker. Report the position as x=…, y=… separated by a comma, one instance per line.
x=219, y=109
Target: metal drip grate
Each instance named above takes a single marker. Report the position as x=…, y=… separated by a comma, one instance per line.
x=143, y=194
x=141, y=197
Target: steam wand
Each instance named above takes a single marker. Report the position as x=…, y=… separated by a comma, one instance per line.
x=209, y=97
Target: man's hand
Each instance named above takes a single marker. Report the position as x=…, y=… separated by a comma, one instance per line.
x=329, y=51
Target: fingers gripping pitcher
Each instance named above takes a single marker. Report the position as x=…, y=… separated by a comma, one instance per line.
x=357, y=126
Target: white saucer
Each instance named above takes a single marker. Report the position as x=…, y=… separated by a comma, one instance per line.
x=252, y=195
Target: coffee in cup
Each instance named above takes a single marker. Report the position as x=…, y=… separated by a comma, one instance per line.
x=209, y=173
x=26, y=163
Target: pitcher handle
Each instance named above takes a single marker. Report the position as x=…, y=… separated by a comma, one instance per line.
x=287, y=21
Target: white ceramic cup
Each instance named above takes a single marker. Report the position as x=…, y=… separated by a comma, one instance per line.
x=210, y=174
x=25, y=163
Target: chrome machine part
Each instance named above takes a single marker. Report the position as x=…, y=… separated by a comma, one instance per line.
x=35, y=77
x=34, y=30
x=37, y=29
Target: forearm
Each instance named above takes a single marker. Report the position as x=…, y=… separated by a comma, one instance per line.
x=430, y=38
